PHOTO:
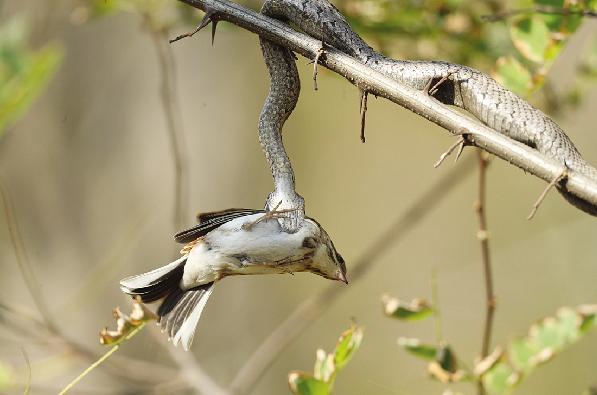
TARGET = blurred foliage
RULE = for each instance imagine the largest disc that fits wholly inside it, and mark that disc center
(417, 309)
(327, 366)
(544, 341)
(519, 48)
(500, 372)
(24, 72)
(431, 29)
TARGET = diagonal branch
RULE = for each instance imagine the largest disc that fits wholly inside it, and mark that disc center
(526, 158)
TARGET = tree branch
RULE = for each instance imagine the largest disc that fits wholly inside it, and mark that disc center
(362, 76)
(483, 236)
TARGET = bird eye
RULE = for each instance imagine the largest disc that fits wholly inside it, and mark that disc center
(341, 262)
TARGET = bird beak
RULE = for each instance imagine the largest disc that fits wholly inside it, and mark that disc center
(342, 277)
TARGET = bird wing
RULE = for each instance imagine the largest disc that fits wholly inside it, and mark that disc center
(210, 221)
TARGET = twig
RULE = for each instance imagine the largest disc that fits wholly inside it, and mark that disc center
(27, 389)
(175, 132)
(104, 270)
(459, 143)
(209, 17)
(483, 237)
(104, 357)
(437, 317)
(562, 177)
(22, 259)
(314, 306)
(539, 9)
(364, 95)
(129, 368)
(320, 52)
(415, 100)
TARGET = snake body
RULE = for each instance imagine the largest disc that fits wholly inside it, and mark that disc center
(462, 86)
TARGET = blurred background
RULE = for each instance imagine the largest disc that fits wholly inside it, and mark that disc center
(91, 186)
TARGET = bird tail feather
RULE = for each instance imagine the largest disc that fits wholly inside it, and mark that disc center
(180, 309)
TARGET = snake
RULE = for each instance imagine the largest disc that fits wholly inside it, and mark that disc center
(457, 85)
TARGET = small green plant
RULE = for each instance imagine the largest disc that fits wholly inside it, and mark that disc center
(327, 366)
(502, 370)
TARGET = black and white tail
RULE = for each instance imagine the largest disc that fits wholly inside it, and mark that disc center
(181, 309)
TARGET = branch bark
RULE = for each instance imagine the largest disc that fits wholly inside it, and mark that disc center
(419, 102)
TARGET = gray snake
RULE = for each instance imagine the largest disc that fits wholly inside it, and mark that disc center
(462, 86)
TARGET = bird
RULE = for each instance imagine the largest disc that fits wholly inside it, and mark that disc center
(226, 243)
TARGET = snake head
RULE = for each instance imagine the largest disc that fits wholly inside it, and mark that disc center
(288, 208)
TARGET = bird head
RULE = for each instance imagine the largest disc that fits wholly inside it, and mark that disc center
(327, 262)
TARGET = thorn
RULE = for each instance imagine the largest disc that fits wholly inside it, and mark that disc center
(214, 24)
(363, 111)
(320, 52)
(460, 143)
(562, 177)
(210, 16)
(427, 86)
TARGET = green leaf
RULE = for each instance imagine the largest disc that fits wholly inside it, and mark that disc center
(415, 310)
(324, 365)
(418, 349)
(24, 73)
(544, 341)
(327, 366)
(500, 379)
(302, 383)
(446, 359)
(531, 37)
(513, 75)
(348, 344)
(521, 354)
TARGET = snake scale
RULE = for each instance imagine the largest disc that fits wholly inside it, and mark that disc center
(462, 86)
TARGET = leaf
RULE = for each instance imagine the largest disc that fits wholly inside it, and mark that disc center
(126, 324)
(513, 75)
(531, 37)
(415, 310)
(348, 344)
(324, 365)
(544, 341)
(439, 373)
(446, 359)
(445, 367)
(418, 349)
(302, 383)
(24, 73)
(327, 366)
(501, 379)
(488, 362)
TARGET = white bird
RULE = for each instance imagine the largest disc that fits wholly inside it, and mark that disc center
(225, 243)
